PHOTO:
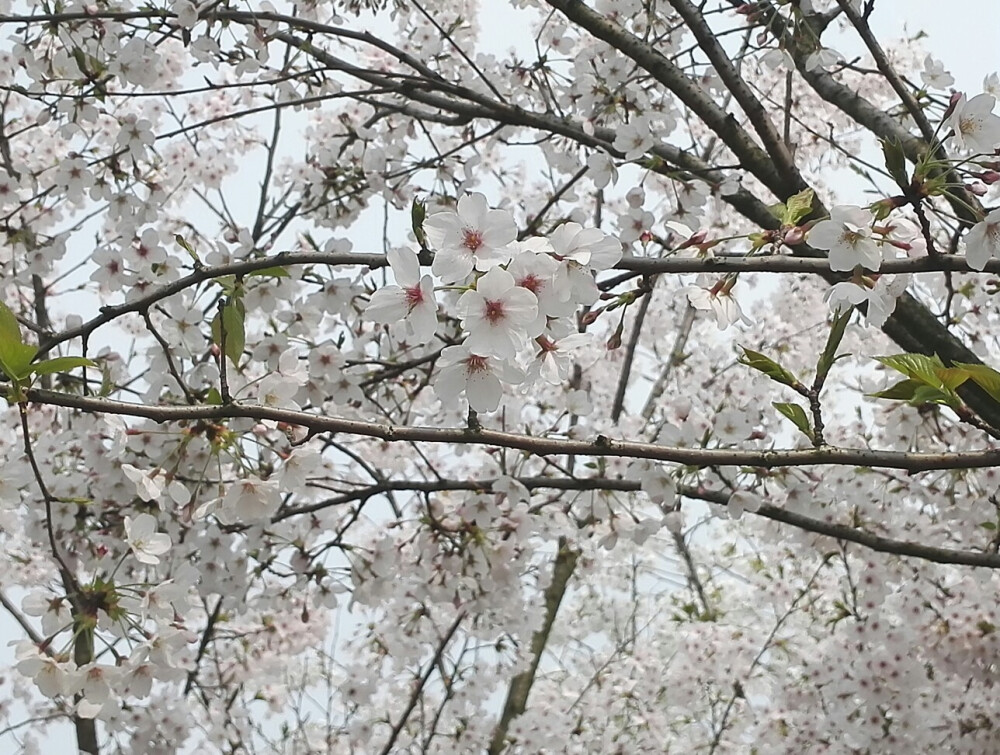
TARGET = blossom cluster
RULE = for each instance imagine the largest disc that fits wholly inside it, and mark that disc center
(517, 304)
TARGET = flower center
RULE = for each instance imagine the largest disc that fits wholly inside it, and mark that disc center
(414, 297)
(531, 282)
(494, 311)
(472, 239)
(475, 363)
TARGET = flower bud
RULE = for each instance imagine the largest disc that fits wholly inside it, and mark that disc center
(794, 236)
(952, 102)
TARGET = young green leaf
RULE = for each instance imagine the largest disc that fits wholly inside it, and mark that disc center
(798, 207)
(15, 355)
(60, 364)
(418, 212)
(230, 320)
(183, 244)
(985, 377)
(829, 355)
(901, 391)
(768, 366)
(797, 415)
(270, 272)
(916, 366)
(895, 162)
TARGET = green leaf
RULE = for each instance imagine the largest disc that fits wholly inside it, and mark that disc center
(778, 210)
(60, 364)
(270, 272)
(918, 393)
(213, 397)
(928, 394)
(895, 161)
(183, 244)
(230, 320)
(953, 377)
(10, 331)
(418, 212)
(228, 284)
(985, 377)
(15, 355)
(916, 366)
(797, 415)
(829, 355)
(768, 366)
(107, 384)
(798, 207)
(901, 391)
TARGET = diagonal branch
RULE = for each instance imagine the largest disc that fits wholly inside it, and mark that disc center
(520, 686)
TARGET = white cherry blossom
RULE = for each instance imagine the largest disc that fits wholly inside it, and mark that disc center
(146, 543)
(480, 378)
(497, 314)
(473, 237)
(975, 126)
(982, 242)
(848, 237)
(410, 300)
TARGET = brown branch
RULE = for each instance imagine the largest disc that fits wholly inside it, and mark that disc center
(719, 497)
(724, 125)
(421, 683)
(520, 686)
(777, 149)
(601, 445)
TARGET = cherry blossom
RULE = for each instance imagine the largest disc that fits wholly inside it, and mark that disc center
(982, 242)
(934, 74)
(251, 500)
(411, 299)
(473, 237)
(478, 377)
(496, 314)
(974, 125)
(720, 300)
(469, 421)
(848, 237)
(147, 487)
(146, 543)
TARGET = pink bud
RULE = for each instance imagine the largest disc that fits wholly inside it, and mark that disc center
(794, 236)
(989, 177)
(955, 97)
(978, 188)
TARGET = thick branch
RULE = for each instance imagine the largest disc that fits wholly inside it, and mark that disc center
(600, 446)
